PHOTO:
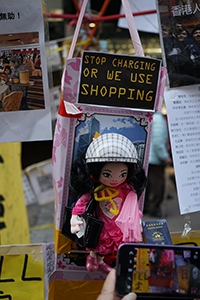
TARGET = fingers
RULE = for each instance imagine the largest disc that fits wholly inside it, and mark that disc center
(108, 290)
(130, 296)
(74, 223)
(76, 227)
(109, 284)
(79, 223)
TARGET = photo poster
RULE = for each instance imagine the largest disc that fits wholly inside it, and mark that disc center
(179, 25)
(22, 37)
(118, 80)
(183, 111)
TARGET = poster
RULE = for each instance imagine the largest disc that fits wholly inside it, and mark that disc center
(129, 126)
(25, 271)
(118, 80)
(180, 40)
(145, 22)
(14, 226)
(183, 109)
(24, 93)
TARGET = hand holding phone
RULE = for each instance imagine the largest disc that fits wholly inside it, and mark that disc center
(158, 271)
(108, 290)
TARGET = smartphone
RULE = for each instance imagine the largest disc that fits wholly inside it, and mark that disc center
(158, 271)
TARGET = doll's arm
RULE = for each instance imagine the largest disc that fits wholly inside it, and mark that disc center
(75, 224)
(79, 209)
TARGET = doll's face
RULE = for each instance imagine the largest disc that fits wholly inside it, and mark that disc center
(113, 174)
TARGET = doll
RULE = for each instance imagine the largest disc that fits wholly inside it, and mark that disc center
(111, 172)
(161, 262)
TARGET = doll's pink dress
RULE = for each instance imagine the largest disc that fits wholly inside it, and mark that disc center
(120, 212)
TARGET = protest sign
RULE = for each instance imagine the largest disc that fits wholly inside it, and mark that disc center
(21, 277)
(24, 94)
(14, 227)
(118, 80)
(25, 270)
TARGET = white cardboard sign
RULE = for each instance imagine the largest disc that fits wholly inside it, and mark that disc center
(183, 109)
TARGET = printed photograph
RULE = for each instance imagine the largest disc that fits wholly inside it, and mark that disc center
(99, 124)
(102, 124)
(21, 84)
(180, 40)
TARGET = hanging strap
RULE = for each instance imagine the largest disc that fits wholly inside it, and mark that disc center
(131, 25)
(132, 28)
(78, 26)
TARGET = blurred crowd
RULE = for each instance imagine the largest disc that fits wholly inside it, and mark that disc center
(159, 158)
(10, 67)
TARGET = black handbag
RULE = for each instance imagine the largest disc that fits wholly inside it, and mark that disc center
(93, 226)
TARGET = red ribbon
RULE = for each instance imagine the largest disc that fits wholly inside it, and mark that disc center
(62, 112)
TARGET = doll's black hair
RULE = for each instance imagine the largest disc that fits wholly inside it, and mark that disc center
(84, 176)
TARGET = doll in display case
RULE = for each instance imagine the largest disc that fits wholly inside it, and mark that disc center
(109, 171)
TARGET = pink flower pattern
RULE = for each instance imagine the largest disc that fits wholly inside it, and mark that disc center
(150, 116)
(67, 78)
(60, 182)
(58, 125)
(60, 265)
(75, 65)
(61, 138)
(71, 94)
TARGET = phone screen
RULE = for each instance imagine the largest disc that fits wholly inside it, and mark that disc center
(158, 270)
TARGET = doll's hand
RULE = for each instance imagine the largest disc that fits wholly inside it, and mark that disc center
(75, 224)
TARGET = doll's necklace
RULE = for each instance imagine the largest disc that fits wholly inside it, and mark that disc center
(111, 192)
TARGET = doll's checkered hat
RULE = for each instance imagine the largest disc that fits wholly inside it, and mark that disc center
(111, 147)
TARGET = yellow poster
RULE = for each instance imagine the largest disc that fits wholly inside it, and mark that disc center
(141, 274)
(183, 278)
(140, 281)
(14, 228)
(21, 275)
(193, 237)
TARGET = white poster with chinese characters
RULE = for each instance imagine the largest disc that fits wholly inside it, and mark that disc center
(25, 113)
(183, 110)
